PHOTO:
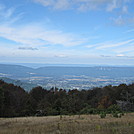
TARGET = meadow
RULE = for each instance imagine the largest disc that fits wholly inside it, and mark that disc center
(77, 124)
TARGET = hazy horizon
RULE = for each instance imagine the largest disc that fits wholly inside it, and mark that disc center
(38, 65)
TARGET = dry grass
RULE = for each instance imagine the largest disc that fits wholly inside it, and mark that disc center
(84, 124)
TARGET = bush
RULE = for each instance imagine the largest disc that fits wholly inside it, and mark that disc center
(122, 113)
(102, 115)
(113, 109)
(88, 110)
(117, 114)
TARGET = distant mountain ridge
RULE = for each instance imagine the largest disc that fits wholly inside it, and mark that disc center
(90, 71)
(49, 76)
(16, 71)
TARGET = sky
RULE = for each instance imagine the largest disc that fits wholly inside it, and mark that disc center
(97, 32)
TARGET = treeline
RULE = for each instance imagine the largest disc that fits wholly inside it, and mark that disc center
(15, 101)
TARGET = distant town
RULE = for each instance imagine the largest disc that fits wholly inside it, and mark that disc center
(76, 82)
(66, 77)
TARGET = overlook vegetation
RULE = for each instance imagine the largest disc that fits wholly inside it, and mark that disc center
(84, 124)
(16, 102)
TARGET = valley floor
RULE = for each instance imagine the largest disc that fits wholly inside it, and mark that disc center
(83, 124)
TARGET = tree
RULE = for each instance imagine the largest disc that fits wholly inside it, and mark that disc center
(1, 101)
(104, 102)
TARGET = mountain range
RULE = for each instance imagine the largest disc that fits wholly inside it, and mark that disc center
(54, 74)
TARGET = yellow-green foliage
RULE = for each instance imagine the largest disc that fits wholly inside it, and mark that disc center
(83, 124)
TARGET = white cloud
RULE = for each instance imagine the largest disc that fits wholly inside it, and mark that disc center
(111, 48)
(120, 55)
(112, 5)
(58, 4)
(120, 6)
(118, 21)
(45, 2)
(61, 56)
(6, 13)
(9, 12)
(28, 48)
(114, 45)
(34, 34)
(125, 9)
(64, 4)
(128, 31)
(25, 39)
(126, 49)
(108, 5)
(98, 44)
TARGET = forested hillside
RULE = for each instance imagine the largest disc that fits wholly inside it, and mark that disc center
(15, 101)
(26, 86)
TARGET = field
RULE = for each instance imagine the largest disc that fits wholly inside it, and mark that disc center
(83, 124)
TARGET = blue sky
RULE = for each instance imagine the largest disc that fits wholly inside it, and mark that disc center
(67, 31)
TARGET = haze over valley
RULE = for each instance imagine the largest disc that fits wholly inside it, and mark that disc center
(66, 77)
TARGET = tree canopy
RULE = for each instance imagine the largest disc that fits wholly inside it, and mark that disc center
(15, 101)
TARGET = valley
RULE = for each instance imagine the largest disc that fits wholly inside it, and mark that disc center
(67, 77)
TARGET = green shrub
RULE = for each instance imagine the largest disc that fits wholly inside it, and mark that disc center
(122, 113)
(102, 115)
(117, 114)
(113, 109)
(88, 110)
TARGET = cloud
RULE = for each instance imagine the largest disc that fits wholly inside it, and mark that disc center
(58, 4)
(127, 48)
(120, 55)
(119, 21)
(64, 4)
(114, 45)
(124, 56)
(113, 5)
(34, 34)
(53, 42)
(125, 9)
(27, 48)
(7, 15)
(120, 6)
(119, 48)
(108, 5)
(128, 31)
(98, 45)
(45, 2)
(61, 56)
(107, 56)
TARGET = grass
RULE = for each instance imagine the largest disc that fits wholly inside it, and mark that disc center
(83, 124)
